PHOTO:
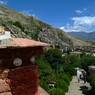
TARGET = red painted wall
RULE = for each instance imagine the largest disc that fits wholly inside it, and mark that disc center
(23, 80)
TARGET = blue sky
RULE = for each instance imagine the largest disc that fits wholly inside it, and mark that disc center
(69, 15)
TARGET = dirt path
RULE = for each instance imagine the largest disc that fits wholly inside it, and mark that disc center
(76, 88)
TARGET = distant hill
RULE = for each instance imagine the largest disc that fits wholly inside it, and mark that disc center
(83, 35)
(30, 27)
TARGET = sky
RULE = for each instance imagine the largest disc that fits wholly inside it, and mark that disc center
(69, 15)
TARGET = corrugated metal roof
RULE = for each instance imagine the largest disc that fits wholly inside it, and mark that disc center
(22, 42)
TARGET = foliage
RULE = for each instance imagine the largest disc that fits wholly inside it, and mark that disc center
(18, 24)
(92, 83)
(47, 69)
(59, 69)
(86, 61)
(70, 63)
(54, 57)
(56, 91)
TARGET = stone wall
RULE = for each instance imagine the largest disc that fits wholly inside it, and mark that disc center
(91, 70)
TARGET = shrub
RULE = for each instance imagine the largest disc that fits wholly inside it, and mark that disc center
(62, 85)
(56, 91)
(18, 24)
(87, 61)
(54, 57)
(92, 83)
(69, 69)
(65, 77)
(44, 85)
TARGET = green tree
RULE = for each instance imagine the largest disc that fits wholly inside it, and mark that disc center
(54, 57)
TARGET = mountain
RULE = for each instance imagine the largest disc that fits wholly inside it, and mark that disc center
(83, 35)
(24, 26)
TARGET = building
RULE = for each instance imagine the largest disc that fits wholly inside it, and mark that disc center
(18, 71)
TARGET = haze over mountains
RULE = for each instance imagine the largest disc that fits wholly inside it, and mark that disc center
(83, 35)
(24, 26)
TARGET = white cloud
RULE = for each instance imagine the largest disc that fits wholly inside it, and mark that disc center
(78, 11)
(62, 28)
(85, 23)
(3, 2)
(71, 28)
(81, 11)
(84, 20)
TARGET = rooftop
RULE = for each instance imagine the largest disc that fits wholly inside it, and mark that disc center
(22, 42)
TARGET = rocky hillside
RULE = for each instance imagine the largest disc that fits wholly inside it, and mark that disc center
(28, 26)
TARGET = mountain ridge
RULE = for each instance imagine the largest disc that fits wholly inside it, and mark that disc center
(84, 35)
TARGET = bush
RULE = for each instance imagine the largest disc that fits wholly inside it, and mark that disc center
(86, 61)
(92, 83)
(54, 57)
(69, 69)
(56, 91)
(65, 77)
(62, 85)
(45, 69)
(18, 24)
(44, 85)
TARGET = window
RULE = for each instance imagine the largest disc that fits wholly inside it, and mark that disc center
(17, 62)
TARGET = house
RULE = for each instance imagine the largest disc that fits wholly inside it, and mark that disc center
(18, 70)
